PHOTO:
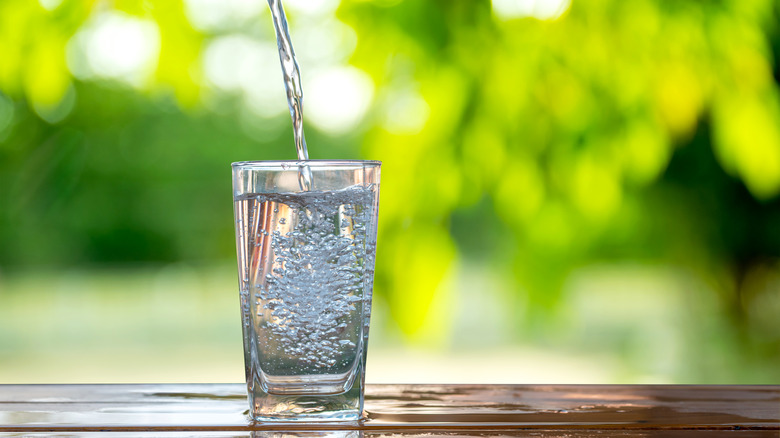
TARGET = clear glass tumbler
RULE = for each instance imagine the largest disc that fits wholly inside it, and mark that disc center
(306, 273)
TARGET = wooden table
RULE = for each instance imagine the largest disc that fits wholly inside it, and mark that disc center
(543, 411)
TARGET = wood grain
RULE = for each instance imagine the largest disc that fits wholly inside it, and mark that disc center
(401, 410)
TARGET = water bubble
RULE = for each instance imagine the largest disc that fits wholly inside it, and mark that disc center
(307, 305)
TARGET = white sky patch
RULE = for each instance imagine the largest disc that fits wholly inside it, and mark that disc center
(337, 98)
(405, 113)
(541, 9)
(211, 15)
(250, 67)
(117, 46)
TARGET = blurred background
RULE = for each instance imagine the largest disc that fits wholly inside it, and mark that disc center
(573, 191)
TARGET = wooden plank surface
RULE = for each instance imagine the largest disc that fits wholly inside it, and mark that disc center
(407, 434)
(401, 410)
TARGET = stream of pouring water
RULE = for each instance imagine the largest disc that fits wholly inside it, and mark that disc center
(292, 84)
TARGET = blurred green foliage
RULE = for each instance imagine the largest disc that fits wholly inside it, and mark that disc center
(620, 132)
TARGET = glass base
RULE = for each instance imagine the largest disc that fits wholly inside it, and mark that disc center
(321, 384)
(344, 407)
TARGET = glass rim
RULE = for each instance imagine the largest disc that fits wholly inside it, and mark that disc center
(285, 164)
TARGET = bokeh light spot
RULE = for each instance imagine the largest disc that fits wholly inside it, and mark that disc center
(57, 112)
(312, 7)
(250, 68)
(115, 45)
(405, 113)
(337, 98)
(50, 5)
(541, 9)
(595, 190)
(212, 15)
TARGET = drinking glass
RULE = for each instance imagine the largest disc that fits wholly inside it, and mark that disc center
(306, 273)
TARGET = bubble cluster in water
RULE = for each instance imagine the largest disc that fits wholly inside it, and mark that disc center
(310, 286)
